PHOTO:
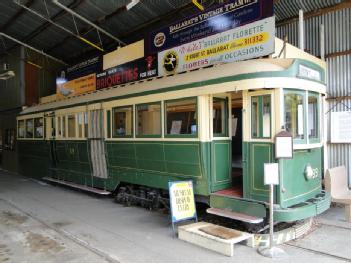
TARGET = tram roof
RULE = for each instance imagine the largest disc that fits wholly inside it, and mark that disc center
(250, 69)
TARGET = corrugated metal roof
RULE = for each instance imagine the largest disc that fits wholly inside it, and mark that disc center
(113, 17)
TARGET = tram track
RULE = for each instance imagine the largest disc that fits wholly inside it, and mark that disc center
(66, 235)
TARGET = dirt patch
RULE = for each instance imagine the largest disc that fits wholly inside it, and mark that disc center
(10, 218)
(5, 253)
(40, 243)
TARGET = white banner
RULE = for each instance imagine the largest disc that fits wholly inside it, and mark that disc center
(245, 42)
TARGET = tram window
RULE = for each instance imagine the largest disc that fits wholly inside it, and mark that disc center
(266, 116)
(38, 128)
(148, 119)
(123, 121)
(261, 116)
(21, 129)
(63, 126)
(313, 124)
(220, 116)
(29, 128)
(255, 125)
(181, 116)
(294, 114)
(80, 121)
(71, 121)
(85, 124)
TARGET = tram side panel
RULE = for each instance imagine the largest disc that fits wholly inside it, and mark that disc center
(156, 163)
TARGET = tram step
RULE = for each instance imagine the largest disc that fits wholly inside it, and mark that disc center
(216, 238)
(77, 186)
(234, 215)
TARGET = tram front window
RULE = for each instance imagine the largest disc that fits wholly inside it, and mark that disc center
(220, 113)
(21, 130)
(38, 127)
(29, 128)
(313, 116)
(294, 115)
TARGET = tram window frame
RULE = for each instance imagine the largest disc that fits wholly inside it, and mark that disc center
(315, 139)
(26, 128)
(156, 135)
(72, 128)
(19, 128)
(131, 135)
(35, 128)
(224, 116)
(180, 135)
(302, 93)
(260, 130)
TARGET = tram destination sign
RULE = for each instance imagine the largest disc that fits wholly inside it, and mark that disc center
(135, 70)
(223, 17)
(246, 42)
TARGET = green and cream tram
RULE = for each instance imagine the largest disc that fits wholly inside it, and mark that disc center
(215, 126)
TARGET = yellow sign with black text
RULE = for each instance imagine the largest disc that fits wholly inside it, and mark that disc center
(182, 200)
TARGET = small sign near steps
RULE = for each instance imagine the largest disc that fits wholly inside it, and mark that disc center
(213, 237)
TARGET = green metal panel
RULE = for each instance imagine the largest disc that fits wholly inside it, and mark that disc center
(294, 186)
(221, 165)
(238, 205)
(255, 155)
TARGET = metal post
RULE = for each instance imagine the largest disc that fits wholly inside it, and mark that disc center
(322, 43)
(271, 225)
(271, 251)
(301, 31)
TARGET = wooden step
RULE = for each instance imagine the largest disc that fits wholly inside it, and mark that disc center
(77, 186)
(234, 215)
(216, 238)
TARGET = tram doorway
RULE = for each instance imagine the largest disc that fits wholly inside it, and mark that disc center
(237, 143)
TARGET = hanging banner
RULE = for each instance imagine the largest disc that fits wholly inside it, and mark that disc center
(138, 69)
(218, 19)
(182, 200)
(75, 87)
(86, 67)
(246, 42)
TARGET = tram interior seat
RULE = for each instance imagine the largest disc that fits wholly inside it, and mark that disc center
(336, 183)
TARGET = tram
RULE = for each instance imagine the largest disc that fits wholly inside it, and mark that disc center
(215, 126)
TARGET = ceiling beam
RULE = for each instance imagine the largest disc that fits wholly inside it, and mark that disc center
(15, 16)
(46, 25)
(319, 12)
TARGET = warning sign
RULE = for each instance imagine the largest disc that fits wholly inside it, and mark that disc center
(182, 200)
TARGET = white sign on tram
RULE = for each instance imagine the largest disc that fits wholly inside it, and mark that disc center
(245, 42)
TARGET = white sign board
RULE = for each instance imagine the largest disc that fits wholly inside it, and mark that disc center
(340, 127)
(271, 173)
(284, 147)
(245, 42)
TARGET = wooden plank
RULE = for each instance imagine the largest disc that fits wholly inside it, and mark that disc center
(234, 215)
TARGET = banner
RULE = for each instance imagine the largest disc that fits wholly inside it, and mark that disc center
(86, 67)
(246, 42)
(75, 87)
(182, 200)
(218, 19)
(138, 69)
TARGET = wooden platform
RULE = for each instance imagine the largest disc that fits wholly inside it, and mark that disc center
(77, 186)
(235, 215)
(213, 237)
(233, 191)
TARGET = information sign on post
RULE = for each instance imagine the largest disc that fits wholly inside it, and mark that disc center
(271, 178)
(181, 194)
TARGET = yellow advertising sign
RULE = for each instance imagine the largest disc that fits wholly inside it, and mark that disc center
(77, 86)
(182, 200)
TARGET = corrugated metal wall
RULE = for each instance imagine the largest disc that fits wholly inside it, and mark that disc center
(337, 39)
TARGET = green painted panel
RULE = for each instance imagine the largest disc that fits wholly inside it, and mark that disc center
(122, 154)
(221, 159)
(183, 158)
(150, 156)
(294, 186)
(238, 205)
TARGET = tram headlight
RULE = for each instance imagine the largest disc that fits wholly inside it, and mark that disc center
(308, 172)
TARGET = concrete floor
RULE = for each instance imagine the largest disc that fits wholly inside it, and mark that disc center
(45, 223)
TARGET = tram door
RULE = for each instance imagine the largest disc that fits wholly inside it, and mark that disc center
(97, 144)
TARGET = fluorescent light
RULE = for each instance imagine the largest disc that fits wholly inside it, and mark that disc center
(132, 4)
(6, 74)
